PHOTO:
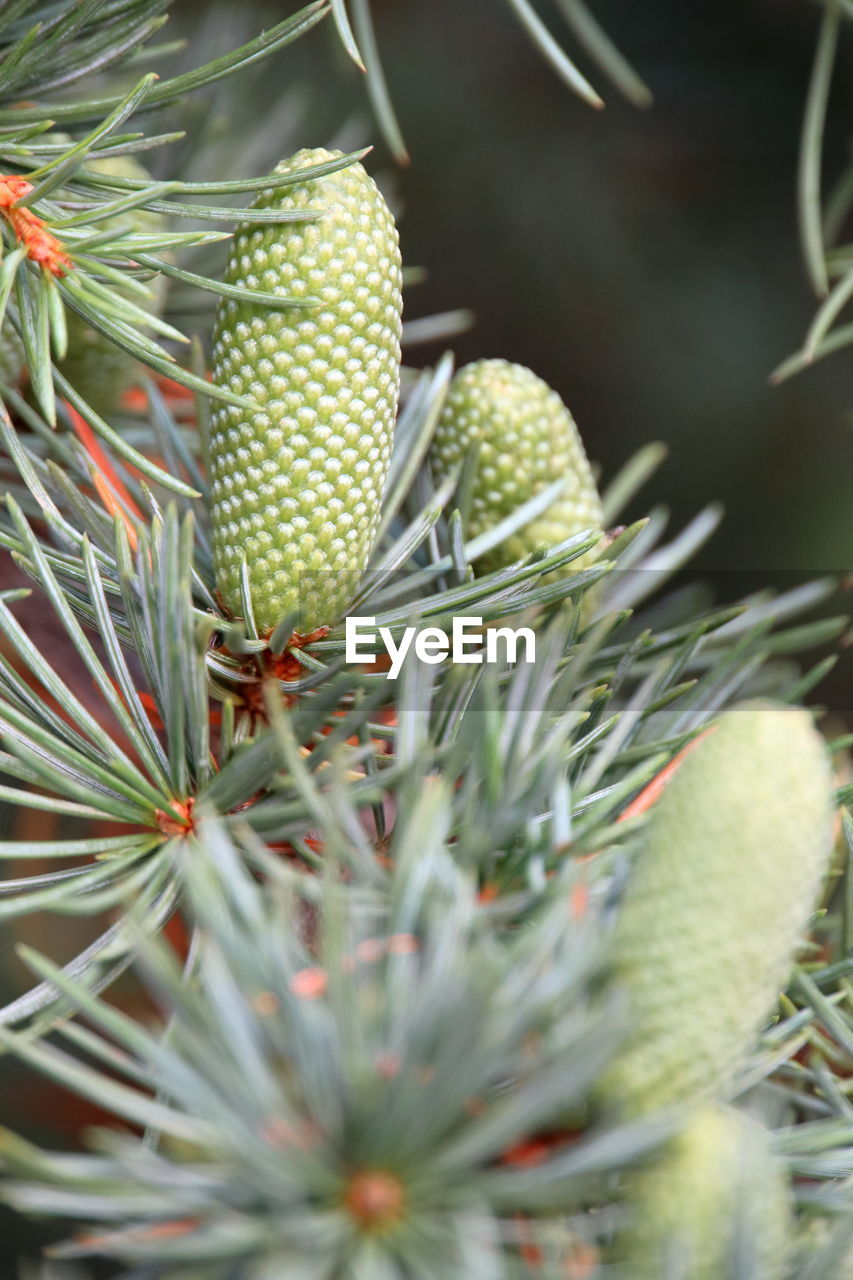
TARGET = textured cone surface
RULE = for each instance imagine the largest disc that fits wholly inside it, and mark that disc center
(716, 1188)
(99, 370)
(527, 439)
(734, 855)
(296, 486)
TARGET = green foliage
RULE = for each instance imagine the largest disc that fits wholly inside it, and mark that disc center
(342, 1107)
(359, 39)
(99, 370)
(379, 1036)
(83, 199)
(11, 357)
(822, 217)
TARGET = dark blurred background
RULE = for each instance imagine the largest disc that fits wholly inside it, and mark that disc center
(645, 263)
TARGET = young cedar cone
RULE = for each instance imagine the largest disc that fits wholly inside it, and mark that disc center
(12, 358)
(817, 1234)
(732, 863)
(296, 485)
(96, 368)
(527, 439)
(716, 1185)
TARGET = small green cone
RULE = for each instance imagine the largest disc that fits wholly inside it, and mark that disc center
(96, 368)
(297, 485)
(829, 1238)
(12, 359)
(528, 439)
(714, 1206)
(733, 859)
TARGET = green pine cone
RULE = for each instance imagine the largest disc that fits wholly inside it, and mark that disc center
(99, 370)
(527, 440)
(716, 1181)
(297, 485)
(12, 358)
(735, 852)
(818, 1234)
